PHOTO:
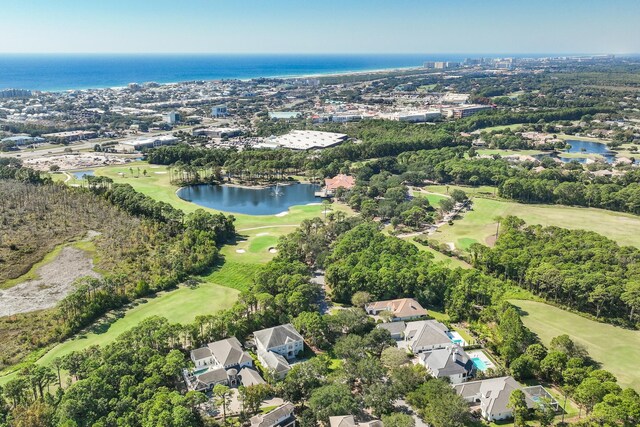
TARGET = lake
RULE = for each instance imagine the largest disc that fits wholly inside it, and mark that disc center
(81, 174)
(250, 201)
(582, 147)
(589, 147)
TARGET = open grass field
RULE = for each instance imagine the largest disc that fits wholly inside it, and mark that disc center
(492, 151)
(615, 348)
(479, 225)
(178, 306)
(513, 127)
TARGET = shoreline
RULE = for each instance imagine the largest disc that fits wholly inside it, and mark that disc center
(245, 79)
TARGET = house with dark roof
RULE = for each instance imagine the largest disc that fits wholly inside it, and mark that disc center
(396, 329)
(282, 416)
(426, 335)
(400, 309)
(225, 354)
(451, 362)
(492, 396)
(283, 340)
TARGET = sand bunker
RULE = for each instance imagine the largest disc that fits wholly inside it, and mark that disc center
(273, 250)
(240, 251)
(161, 172)
(262, 234)
(282, 213)
(55, 282)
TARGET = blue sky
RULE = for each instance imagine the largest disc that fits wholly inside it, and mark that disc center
(321, 26)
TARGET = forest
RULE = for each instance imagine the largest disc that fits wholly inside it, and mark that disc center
(581, 270)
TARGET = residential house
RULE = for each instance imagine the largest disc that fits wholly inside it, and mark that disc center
(349, 421)
(400, 309)
(225, 354)
(274, 362)
(282, 416)
(283, 340)
(451, 362)
(426, 335)
(492, 396)
(249, 377)
(396, 329)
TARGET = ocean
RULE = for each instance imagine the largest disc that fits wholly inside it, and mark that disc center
(48, 72)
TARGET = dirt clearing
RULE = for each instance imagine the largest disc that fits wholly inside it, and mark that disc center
(54, 283)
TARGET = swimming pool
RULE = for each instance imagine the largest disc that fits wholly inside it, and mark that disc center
(479, 363)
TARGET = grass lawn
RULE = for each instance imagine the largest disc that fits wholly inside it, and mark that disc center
(492, 151)
(479, 225)
(178, 306)
(614, 347)
(439, 256)
(513, 127)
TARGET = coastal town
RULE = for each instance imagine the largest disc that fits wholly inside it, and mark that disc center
(216, 214)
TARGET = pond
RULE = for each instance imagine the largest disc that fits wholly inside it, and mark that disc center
(81, 174)
(250, 201)
(582, 147)
(589, 147)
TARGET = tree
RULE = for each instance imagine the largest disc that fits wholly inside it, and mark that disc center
(398, 419)
(552, 365)
(439, 405)
(304, 378)
(393, 357)
(360, 299)
(518, 403)
(545, 412)
(631, 296)
(313, 327)
(588, 393)
(379, 398)
(222, 395)
(332, 400)
(252, 396)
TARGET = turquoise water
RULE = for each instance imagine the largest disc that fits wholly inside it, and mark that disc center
(57, 72)
(479, 363)
(250, 201)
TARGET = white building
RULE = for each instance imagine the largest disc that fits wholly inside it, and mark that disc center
(171, 118)
(307, 140)
(142, 143)
(219, 111)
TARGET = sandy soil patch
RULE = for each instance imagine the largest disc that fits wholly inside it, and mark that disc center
(75, 161)
(490, 240)
(55, 282)
(282, 213)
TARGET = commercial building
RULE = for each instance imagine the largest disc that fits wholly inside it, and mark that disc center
(308, 140)
(217, 132)
(219, 111)
(70, 136)
(469, 110)
(142, 143)
(172, 118)
(23, 139)
(419, 116)
(285, 115)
